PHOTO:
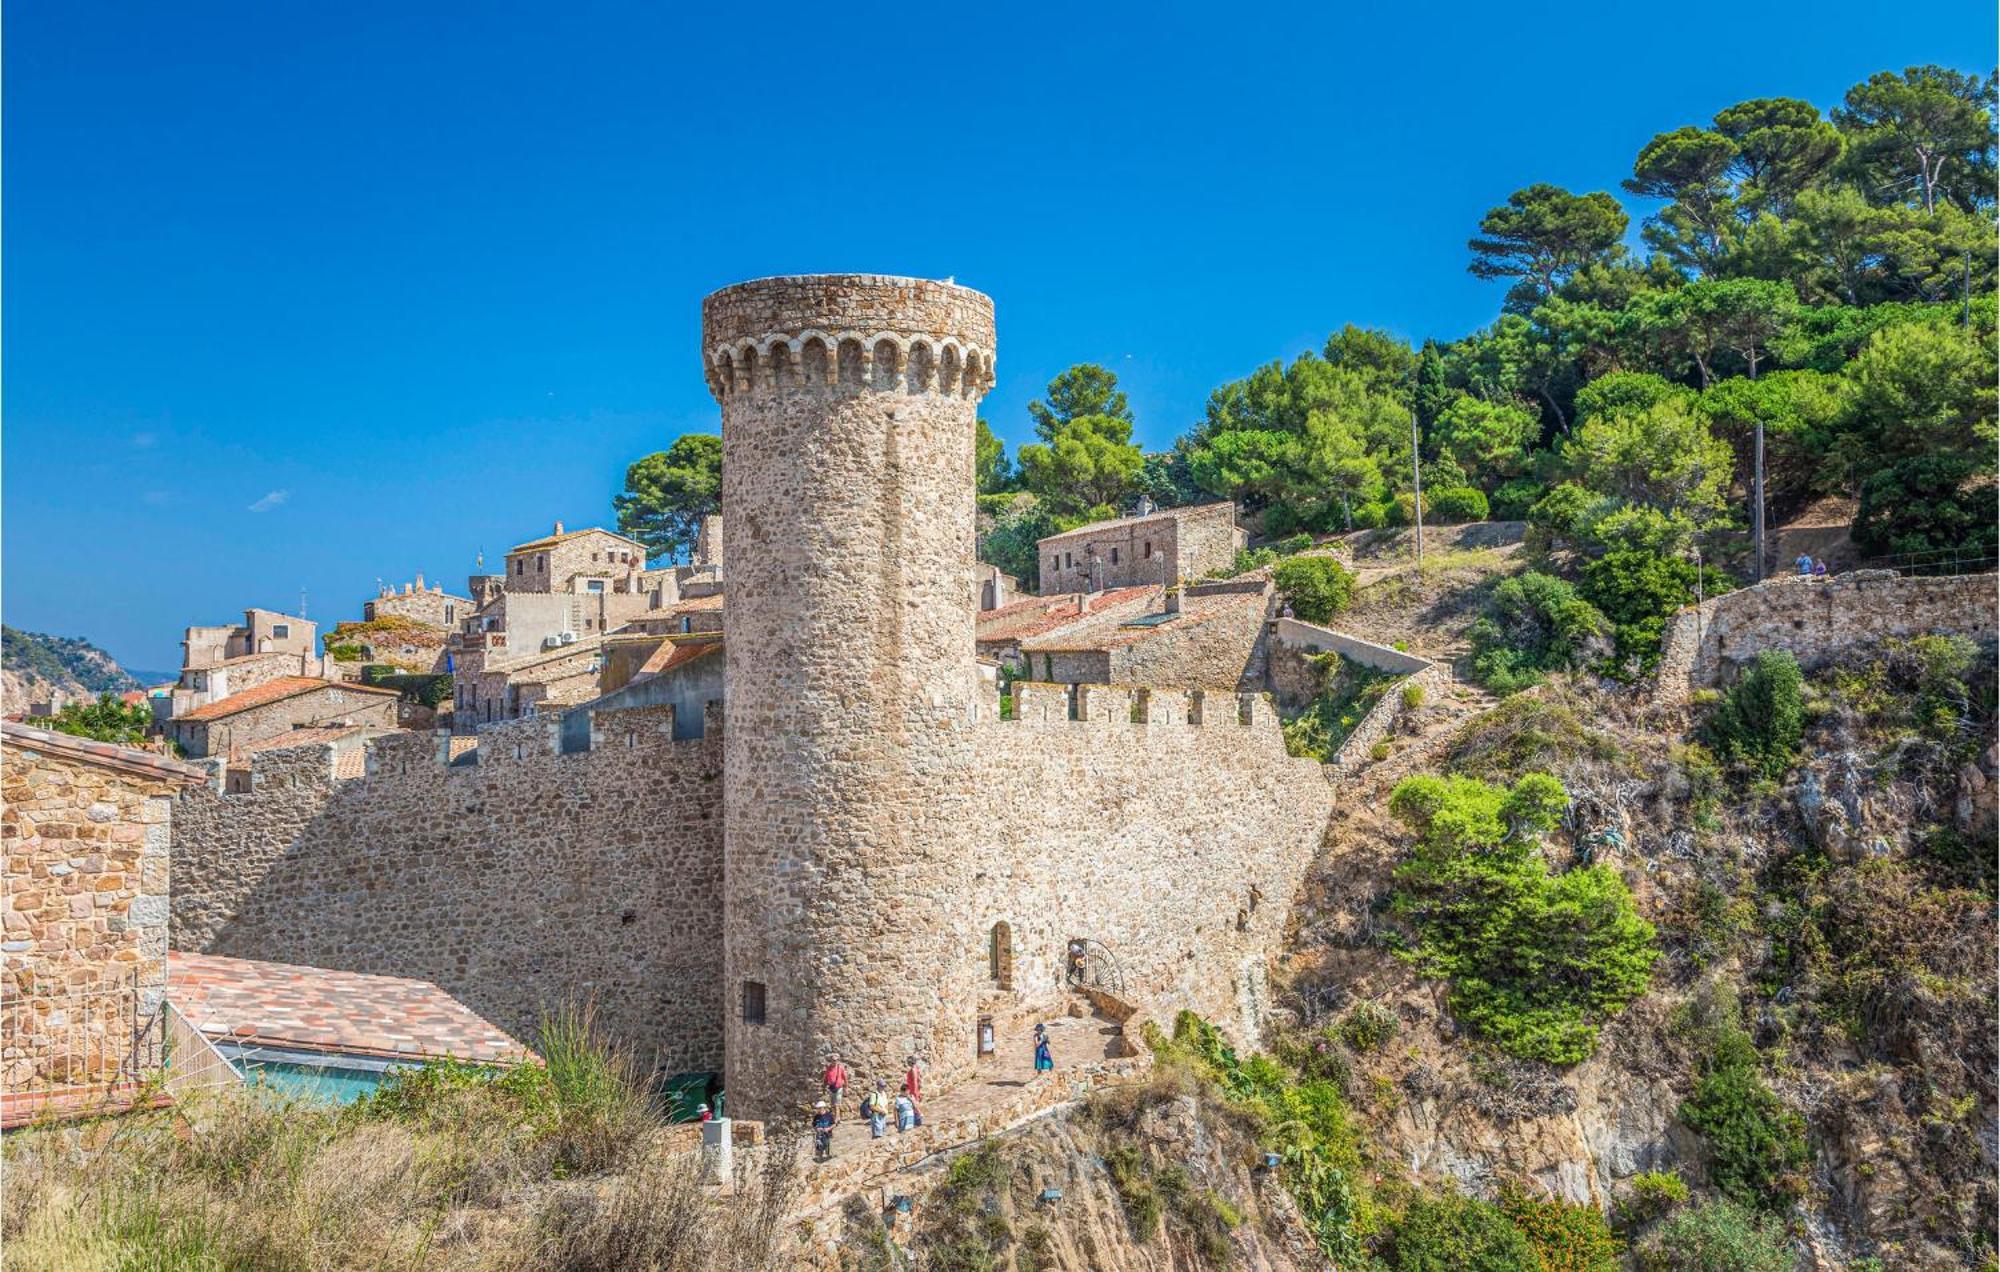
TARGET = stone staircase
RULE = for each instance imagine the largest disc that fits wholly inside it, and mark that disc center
(1452, 707)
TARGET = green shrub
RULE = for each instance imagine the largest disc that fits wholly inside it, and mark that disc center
(1348, 692)
(1402, 510)
(1413, 696)
(1318, 587)
(1294, 545)
(1536, 961)
(345, 651)
(1761, 719)
(1638, 592)
(1136, 1190)
(1558, 515)
(1248, 559)
(1512, 499)
(1718, 1236)
(1456, 504)
(1566, 1237)
(1534, 623)
(1453, 1233)
(1652, 1193)
(1756, 1146)
(1367, 1027)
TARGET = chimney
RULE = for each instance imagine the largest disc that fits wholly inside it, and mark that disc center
(420, 580)
(558, 527)
(1174, 599)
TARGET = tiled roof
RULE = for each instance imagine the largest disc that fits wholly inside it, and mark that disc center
(549, 541)
(1033, 617)
(679, 653)
(110, 755)
(297, 737)
(275, 691)
(698, 603)
(1111, 632)
(314, 1009)
(349, 763)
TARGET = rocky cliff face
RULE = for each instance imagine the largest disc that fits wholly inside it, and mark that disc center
(39, 668)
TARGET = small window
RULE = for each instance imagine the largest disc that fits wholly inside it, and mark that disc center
(687, 625)
(1149, 549)
(521, 566)
(593, 556)
(753, 1002)
(1114, 556)
(542, 564)
(450, 614)
(281, 631)
(1000, 956)
(594, 585)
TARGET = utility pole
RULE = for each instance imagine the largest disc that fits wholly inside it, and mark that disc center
(1965, 292)
(1757, 513)
(1700, 596)
(1417, 481)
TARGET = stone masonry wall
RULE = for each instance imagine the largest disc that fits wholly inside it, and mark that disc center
(335, 704)
(521, 882)
(85, 917)
(1176, 841)
(1816, 618)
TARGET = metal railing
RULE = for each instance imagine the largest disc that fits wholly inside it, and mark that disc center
(64, 1039)
(193, 1062)
(1938, 563)
(1092, 964)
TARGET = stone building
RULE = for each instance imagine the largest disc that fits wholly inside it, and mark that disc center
(590, 560)
(86, 827)
(432, 606)
(1149, 547)
(998, 633)
(276, 708)
(222, 660)
(860, 851)
(1206, 632)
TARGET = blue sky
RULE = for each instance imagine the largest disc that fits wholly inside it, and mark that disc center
(299, 296)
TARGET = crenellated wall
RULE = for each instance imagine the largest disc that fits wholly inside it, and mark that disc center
(518, 877)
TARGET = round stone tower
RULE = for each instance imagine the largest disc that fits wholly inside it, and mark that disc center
(848, 411)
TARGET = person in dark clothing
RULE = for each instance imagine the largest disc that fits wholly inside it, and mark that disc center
(822, 1132)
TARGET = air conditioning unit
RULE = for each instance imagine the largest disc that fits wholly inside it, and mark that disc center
(566, 638)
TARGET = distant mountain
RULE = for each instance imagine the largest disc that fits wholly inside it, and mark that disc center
(38, 668)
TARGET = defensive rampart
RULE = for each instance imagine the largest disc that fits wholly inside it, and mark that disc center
(1815, 619)
(516, 876)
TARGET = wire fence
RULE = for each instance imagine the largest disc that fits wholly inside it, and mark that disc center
(1938, 563)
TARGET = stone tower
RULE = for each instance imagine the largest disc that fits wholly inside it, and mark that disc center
(848, 412)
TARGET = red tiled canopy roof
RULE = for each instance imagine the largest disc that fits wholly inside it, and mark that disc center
(315, 1009)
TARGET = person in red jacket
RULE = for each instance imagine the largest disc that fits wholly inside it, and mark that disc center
(836, 1081)
(913, 1086)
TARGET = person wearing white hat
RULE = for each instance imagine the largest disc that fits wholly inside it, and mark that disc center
(822, 1131)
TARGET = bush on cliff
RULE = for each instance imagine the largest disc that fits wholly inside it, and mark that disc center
(1760, 721)
(1534, 624)
(1756, 1146)
(1536, 960)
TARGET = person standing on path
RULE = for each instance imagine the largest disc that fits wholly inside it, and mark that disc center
(1805, 564)
(836, 1081)
(1044, 1061)
(822, 1132)
(1819, 569)
(913, 1086)
(875, 1107)
(906, 1112)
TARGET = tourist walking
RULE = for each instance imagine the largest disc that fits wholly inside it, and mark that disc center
(822, 1132)
(1819, 568)
(1044, 1061)
(836, 1081)
(1805, 564)
(875, 1107)
(913, 1086)
(906, 1112)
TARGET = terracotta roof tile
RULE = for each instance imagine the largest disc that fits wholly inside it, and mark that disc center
(315, 1009)
(274, 691)
(1163, 514)
(1025, 619)
(672, 654)
(1111, 632)
(551, 540)
(88, 750)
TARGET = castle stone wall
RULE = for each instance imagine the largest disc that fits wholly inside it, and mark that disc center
(1815, 619)
(524, 881)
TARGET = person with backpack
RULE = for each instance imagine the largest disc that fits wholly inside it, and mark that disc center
(875, 1107)
(906, 1112)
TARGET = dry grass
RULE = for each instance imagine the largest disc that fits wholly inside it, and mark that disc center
(559, 1168)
